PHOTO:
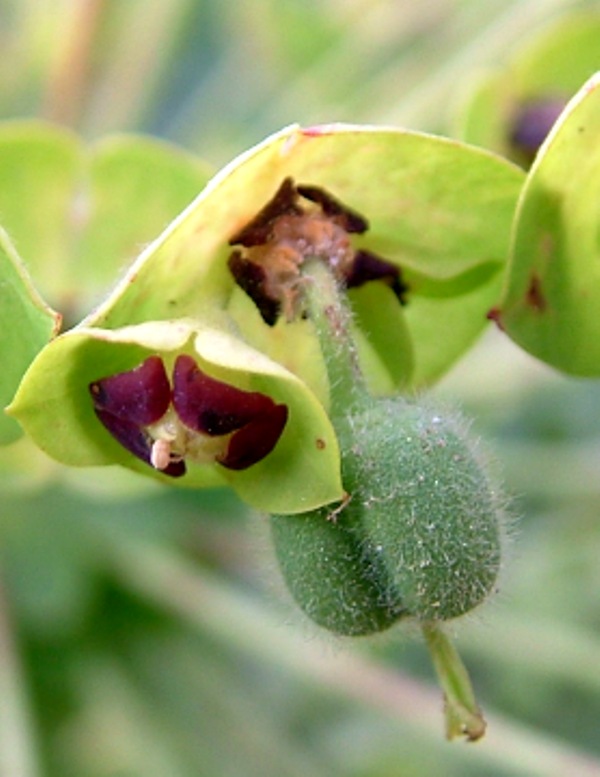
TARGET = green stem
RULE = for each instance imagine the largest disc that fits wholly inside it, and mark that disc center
(463, 716)
(332, 320)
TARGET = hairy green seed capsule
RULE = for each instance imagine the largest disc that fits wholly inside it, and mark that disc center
(421, 535)
(429, 512)
(329, 575)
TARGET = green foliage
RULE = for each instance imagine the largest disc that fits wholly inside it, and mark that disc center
(78, 214)
(19, 302)
(135, 620)
(453, 199)
(552, 65)
(550, 303)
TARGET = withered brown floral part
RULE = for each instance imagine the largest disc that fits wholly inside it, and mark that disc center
(369, 267)
(252, 278)
(299, 223)
(350, 220)
(200, 418)
(259, 230)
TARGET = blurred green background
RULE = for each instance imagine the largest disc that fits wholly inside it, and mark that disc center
(143, 631)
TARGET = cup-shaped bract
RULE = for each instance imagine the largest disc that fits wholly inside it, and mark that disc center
(126, 396)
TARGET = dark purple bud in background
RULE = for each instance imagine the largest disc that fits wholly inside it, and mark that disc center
(532, 123)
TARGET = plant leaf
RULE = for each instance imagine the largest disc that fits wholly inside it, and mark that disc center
(552, 64)
(39, 168)
(26, 325)
(79, 215)
(552, 298)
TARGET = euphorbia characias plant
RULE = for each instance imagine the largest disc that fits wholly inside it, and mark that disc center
(276, 337)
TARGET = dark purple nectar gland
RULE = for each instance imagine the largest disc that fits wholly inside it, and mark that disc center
(251, 422)
(201, 419)
(288, 231)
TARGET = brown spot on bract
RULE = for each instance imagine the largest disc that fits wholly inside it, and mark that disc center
(321, 444)
(495, 315)
(534, 297)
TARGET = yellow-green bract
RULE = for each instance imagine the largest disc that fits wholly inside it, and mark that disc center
(438, 209)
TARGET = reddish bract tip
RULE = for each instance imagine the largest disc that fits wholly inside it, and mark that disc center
(495, 315)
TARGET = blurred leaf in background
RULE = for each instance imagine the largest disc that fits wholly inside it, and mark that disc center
(512, 107)
(144, 631)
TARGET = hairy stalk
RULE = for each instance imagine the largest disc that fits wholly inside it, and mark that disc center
(402, 529)
(331, 318)
(463, 716)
